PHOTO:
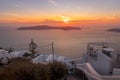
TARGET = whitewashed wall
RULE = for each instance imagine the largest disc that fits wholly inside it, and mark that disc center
(116, 72)
(103, 64)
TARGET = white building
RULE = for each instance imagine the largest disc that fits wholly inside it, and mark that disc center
(100, 62)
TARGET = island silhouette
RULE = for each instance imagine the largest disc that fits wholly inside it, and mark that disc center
(47, 27)
(114, 30)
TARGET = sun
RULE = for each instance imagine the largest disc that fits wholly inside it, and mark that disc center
(65, 19)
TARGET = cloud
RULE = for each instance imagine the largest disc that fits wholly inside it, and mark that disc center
(53, 2)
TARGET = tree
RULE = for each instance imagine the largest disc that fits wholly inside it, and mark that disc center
(32, 47)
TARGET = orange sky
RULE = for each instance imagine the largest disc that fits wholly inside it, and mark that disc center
(62, 20)
(60, 12)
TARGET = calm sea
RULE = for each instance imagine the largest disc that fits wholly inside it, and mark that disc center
(69, 43)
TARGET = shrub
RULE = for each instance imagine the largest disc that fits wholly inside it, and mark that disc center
(21, 69)
(2, 73)
(27, 71)
(40, 72)
(56, 70)
(19, 59)
(80, 74)
(5, 74)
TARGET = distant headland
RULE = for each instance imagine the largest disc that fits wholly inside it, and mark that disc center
(46, 27)
(114, 30)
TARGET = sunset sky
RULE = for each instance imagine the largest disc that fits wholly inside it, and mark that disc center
(59, 12)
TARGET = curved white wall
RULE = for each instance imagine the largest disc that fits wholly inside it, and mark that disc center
(103, 64)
